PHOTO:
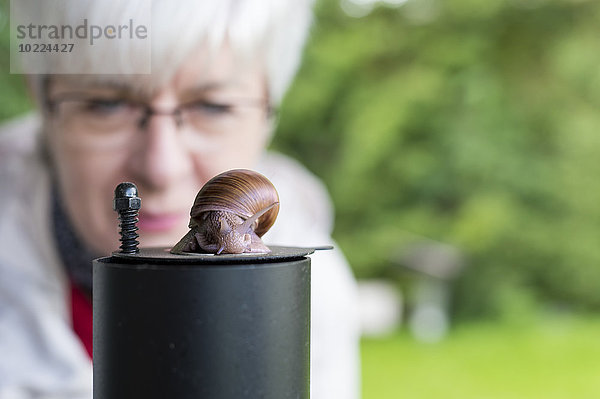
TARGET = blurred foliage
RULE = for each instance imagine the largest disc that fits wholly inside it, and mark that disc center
(471, 123)
(13, 100)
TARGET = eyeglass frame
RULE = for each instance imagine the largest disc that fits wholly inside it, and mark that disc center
(149, 111)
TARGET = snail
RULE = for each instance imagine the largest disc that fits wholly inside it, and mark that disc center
(230, 214)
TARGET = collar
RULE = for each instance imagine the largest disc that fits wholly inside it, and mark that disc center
(75, 255)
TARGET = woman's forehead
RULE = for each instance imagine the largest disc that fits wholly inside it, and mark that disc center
(199, 74)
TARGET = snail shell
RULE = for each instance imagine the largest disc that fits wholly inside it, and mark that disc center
(230, 214)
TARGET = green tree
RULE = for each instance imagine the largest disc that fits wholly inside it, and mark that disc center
(472, 123)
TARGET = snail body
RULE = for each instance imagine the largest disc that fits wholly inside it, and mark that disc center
(230, 214)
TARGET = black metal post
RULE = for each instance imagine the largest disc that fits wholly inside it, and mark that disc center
(169, 329)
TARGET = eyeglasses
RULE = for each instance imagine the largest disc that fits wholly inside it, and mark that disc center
(107, 122)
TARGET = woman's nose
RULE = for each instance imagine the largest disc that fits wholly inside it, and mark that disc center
(160, 157)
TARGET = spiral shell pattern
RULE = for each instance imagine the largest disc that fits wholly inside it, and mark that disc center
(240, 191)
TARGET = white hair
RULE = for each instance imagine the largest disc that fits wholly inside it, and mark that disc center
(274, 30)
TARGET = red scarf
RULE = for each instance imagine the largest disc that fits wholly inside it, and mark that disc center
(81, 314)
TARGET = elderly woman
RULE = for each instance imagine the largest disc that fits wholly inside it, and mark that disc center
(218, 70)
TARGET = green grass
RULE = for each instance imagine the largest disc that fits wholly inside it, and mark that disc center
(555, 359)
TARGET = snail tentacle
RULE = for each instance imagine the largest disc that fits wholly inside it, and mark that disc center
(247, 225)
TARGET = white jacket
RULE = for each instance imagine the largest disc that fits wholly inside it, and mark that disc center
(40, 355)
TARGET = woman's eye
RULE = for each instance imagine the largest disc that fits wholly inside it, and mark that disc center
(209, 107)
(106, 106)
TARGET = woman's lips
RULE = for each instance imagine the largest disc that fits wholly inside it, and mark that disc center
(160, 222)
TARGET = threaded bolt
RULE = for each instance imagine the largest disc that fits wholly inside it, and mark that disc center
(127, 204)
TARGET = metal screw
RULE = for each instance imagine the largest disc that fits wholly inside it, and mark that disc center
(127, 204)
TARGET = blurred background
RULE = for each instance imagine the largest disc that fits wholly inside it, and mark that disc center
(459, 140)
